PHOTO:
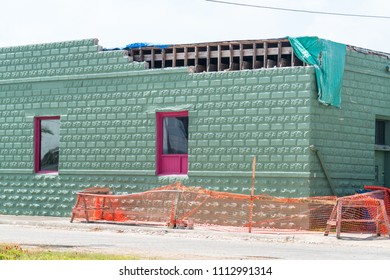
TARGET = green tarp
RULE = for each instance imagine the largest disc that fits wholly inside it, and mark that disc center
(328, 59)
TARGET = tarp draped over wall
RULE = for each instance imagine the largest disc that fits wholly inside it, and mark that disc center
(328, 59)
(139, 45)
(144, 45)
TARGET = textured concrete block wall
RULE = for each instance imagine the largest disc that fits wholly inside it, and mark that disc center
(346, 136)
(241, 114)
(108, 109)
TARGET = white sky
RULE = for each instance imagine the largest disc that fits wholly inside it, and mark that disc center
(117, 23)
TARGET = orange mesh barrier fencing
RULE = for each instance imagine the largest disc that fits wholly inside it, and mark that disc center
(178, 206)
(360, 213)
(386, 198)
(148, 207)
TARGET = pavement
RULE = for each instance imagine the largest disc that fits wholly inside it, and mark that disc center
(152, 241)
(65, 224)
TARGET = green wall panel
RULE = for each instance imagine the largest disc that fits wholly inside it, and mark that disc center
(107, 106)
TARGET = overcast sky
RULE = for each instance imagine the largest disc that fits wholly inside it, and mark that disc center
(117, 23)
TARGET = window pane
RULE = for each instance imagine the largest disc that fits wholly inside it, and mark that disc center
(175, 135)
(50, 142)
(380, 138)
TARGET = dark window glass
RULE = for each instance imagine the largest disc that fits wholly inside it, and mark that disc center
(175, 135)
(380, 138)
(49, 144)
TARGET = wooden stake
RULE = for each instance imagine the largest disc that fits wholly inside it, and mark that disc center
(175, 203)
(252, 193)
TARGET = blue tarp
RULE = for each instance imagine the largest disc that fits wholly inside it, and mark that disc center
(139, 46)
(328, 59)
(143, 45)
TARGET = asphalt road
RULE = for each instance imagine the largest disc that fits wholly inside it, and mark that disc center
(161, 243)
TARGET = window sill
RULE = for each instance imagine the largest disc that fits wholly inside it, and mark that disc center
(382, 148)
(184, 176)
(46, 173)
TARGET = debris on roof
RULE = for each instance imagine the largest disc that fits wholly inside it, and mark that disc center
(217, 56)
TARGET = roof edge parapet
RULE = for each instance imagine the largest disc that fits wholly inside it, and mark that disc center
(218, 56)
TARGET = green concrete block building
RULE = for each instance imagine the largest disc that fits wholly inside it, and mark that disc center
(74, 115)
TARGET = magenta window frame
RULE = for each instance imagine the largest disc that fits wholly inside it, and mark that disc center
(37, 144)
(182, 159)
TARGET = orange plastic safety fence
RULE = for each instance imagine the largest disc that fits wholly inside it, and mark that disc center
(361, 213)
(181, 207)
(386, 195)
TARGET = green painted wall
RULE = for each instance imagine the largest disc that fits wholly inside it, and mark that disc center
(107, 106)
(346, 136)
